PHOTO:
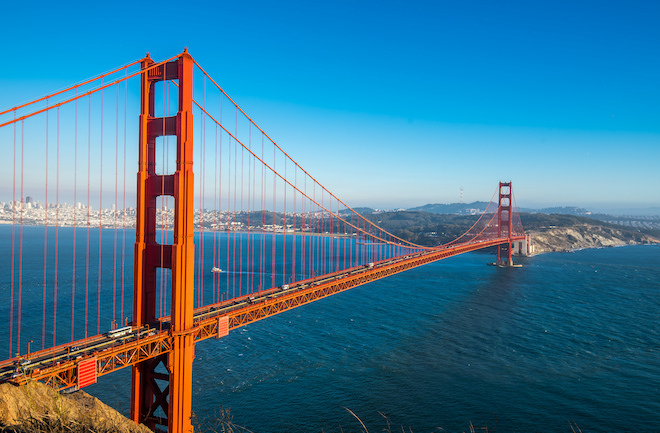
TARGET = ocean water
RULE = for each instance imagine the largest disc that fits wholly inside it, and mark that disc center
(566, 338)
(569, 338)
(86, 288)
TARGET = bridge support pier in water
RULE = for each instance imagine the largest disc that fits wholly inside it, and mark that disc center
(168, 403)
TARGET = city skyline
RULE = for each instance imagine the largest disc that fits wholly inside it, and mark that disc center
(395, 106)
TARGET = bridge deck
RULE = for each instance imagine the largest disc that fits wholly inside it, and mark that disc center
(57, 366)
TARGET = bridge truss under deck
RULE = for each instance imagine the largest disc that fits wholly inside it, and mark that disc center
(216, 320)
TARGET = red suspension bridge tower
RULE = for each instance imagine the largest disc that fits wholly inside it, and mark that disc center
(175, 399)
(505, 225)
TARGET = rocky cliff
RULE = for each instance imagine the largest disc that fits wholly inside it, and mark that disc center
(581, 236)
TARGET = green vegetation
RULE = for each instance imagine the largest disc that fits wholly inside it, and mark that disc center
(452, 208)
(541, 221)
(429, 229)
(424, 228)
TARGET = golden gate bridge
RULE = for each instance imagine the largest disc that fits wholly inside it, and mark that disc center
(222, 228)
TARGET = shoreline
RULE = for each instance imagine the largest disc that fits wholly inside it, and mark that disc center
(555, 239)
(575, 238)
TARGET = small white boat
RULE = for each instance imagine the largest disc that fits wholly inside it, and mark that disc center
(216, 270)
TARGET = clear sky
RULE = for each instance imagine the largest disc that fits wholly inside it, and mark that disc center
(397, 104)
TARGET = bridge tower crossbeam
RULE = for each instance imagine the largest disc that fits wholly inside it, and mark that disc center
(149, 392)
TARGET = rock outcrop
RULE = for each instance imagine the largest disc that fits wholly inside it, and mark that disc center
(582, 236)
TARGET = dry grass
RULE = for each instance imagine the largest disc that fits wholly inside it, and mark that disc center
(54, 425)
(402, 429)
(221, 422)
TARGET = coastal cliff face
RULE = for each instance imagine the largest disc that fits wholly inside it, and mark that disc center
(558, 239)
(35, 405)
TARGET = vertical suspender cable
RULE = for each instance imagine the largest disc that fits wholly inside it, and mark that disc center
(316, 247)
(351, 244)
(305, 268)
(272, 259)
(233, 283)
(262, 243)
(98, 293)
(312, 239)
(240, 254)
(89, 171)
(220, 201)
(311, 243)
(248, 289)
(114, 267)
(20, 249)
(284, 238)
(200, 246)
(43, 324)
(202, 189)
(203, 206)
(345, 238)
(227, 219)
(230, 218)
(57, 223)
(123, 225)
(321, 238)
(13, 249)
(237, 246)
(330, 228)
(329, 238)
(254, 208)
(75, 214)
(295, 216)
(249, 244)
(215, 212)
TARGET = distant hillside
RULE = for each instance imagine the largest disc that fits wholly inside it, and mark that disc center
(476, 207)
(565, 210)
(555, 232)
(636, 222)
(359, 210)
(540, 221)
(423, 228)
(639, 211)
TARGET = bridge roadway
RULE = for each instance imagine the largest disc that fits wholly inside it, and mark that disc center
(57, 366)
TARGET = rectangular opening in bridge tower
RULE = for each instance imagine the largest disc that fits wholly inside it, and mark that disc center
(165, 152)
(164, 396)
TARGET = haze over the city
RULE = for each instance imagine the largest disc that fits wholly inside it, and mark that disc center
(398, 104)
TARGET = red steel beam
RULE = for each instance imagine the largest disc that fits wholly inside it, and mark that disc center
(147, 395)
(63, 374)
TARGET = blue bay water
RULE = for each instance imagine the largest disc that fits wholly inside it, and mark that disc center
(86, 288)
(569, 337)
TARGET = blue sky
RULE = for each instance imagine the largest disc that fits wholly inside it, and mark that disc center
(398, 104)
